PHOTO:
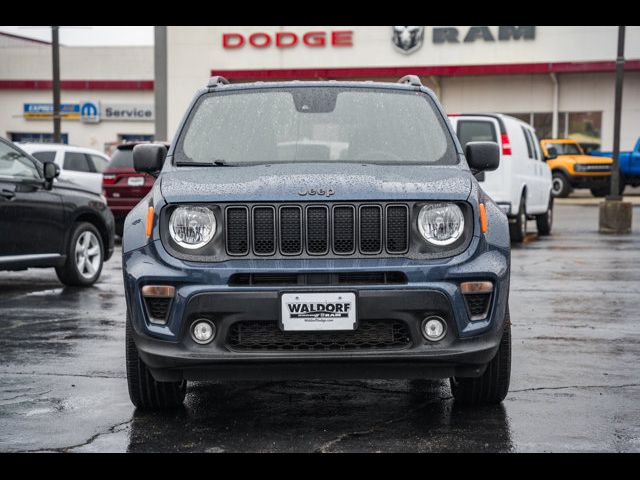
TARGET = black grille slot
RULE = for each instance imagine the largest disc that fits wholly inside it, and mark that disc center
(264, 231)
(344, 231)
(291, 230)
(267, 336)
(157, 308)
(397, 229)
(478, 304)
(371, 229)
(372, 278)
(317, 230)
(323, 279)
(237, 228)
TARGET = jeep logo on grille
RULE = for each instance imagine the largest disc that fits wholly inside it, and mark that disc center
(319, 192)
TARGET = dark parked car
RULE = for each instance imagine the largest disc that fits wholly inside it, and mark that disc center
(122, 186)
(367, 250)
(46, 224)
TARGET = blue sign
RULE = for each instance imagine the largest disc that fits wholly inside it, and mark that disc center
(45, 111)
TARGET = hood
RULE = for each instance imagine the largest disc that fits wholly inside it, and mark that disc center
(61, 185)
(334, 182)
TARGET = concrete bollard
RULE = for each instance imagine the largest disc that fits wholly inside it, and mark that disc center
(616, 217)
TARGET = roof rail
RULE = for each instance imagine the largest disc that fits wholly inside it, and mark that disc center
(217, 81)
(412, 80)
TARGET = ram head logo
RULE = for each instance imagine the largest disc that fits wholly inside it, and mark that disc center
(408, 39)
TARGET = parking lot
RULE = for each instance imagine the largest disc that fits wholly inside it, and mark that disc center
(575, 382)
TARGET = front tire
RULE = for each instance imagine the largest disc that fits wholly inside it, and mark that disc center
(145, 392)
(545, 221)
(85, 256)
(560, 186)
(518, 229)
(492, 387)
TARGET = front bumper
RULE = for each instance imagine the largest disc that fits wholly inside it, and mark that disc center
(203, 290)
(590, 181)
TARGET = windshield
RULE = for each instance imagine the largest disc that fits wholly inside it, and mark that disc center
(564, 148)
(122, 159)
(329, 124)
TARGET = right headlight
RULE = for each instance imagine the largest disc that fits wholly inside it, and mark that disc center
(441, 224)
(192, 227)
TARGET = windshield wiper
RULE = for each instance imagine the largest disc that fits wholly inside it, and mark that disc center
(214, 163)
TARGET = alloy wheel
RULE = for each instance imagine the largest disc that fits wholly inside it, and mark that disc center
(88, 254)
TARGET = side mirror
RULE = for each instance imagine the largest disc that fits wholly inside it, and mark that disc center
(552, 154)
(51, 172)
(483, 156)
(149, 158)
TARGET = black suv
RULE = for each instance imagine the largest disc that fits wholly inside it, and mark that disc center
(44, 225)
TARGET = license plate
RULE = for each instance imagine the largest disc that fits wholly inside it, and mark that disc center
(318, 311)
(135, 181)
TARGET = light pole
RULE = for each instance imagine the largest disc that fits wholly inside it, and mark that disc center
(160, 83)
(55, 57)
(615, 173)
(616, 215)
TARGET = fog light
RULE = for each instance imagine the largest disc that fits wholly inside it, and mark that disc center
(203, 331)
(434, 328)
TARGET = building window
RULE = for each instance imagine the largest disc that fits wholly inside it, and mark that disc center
(543, 124)
(584, 127)
(126, 138)
(37, 138)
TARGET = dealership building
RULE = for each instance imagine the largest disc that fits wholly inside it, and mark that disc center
(107, 93)
(558, 78)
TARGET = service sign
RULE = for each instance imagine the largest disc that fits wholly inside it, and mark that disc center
(92, 112)
(129, 112)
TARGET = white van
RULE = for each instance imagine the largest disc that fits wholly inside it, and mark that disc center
(82, 166)
(522, 184)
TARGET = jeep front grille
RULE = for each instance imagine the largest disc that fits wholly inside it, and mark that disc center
(317, 230)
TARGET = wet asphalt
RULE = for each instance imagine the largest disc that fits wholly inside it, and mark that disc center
(575, 308)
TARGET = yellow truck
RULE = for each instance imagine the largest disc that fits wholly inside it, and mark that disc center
(572, 168)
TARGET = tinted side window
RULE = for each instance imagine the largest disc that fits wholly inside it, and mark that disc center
(476, 131)
(99, 163)
(45, 156)
(76, 162)
(15, 164)
(537, 152)
(122, 159)
(527, 139)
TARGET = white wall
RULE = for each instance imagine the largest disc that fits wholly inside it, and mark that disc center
(24, 60)
(80, 134)
(28, 61)
(193, 52)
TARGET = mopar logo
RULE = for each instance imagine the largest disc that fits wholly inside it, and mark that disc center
(90, 113)
(320, 192)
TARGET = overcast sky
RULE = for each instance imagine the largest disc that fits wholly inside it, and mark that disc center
(89, 36)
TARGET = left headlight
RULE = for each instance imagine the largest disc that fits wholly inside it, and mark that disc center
(441, 224)
(192, 227)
